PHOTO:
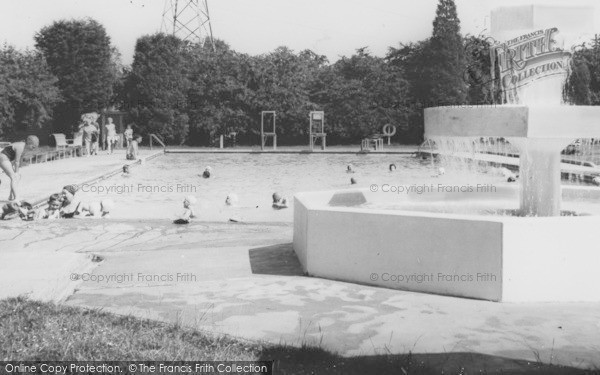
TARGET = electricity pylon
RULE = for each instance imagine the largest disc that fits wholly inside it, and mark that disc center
(188, 20)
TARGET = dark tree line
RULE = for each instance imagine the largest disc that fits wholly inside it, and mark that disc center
(190, 94)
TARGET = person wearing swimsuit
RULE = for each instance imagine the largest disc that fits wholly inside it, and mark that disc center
(71, 205)
(111, 135)
(10, 161)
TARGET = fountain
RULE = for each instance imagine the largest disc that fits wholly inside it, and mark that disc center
(533, 64)
(537, 255)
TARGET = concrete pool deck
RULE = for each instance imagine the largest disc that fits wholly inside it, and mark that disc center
(348, 150)
(243, 279)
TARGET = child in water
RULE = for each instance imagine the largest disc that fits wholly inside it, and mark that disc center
(126, 171)
(279, 202)
(53, 210)
(349, 169)
(188, 211)
(13, 210)
(231, 199)
(206, 173)
(133, 149)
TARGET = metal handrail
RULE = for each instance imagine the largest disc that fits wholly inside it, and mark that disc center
(155, 137)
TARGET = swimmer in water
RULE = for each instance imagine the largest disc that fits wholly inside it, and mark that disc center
(126, 171)
(188, 211)
(349, 169)
(231, 199)
(279, 202)
(392, 167)
(352, 181)
(206, 173)
(440, 172)
(12, 210)
(53, 210)
(106, 206)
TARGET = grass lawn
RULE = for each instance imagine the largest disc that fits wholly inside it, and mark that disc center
(31, 330)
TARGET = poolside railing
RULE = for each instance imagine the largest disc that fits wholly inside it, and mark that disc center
(158, 140)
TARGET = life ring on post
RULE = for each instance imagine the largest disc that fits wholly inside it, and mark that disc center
(389, 131)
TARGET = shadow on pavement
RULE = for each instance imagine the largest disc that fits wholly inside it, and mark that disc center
(289, 360)
(275, 260)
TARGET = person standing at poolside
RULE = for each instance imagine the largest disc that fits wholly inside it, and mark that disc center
(89, 133)
(111, 135)
(128, 135)
(10, 161)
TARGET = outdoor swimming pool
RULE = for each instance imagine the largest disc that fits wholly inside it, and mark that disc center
(155, 190)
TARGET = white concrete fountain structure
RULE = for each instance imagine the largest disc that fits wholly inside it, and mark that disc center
(539, 132)
(537, 256)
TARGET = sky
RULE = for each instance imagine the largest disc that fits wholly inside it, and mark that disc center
(333, 28)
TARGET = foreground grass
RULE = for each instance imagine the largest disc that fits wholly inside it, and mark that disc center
(31, 330)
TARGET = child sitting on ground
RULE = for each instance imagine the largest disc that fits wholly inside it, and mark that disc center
(279, 202)
(188, 211)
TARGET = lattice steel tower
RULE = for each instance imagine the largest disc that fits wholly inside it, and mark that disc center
(189, 20)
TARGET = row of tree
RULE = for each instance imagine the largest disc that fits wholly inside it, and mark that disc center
(191, 94)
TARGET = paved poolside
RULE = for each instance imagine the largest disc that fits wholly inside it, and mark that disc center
(244, 280)
(391, 149)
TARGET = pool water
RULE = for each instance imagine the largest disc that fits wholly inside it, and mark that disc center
(156, 189)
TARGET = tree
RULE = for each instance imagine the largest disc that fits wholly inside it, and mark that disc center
(220, 97)
(360, 95)
(79, 53)
(577, 88)
(157, 87)
(28, 91)
(283, 84)
(446, 58)
(412, 60)
(482, 88)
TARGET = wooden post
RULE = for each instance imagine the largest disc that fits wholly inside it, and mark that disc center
(221, 141)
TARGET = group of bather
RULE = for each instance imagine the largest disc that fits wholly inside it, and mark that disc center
(65, 205)
(279, 202)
